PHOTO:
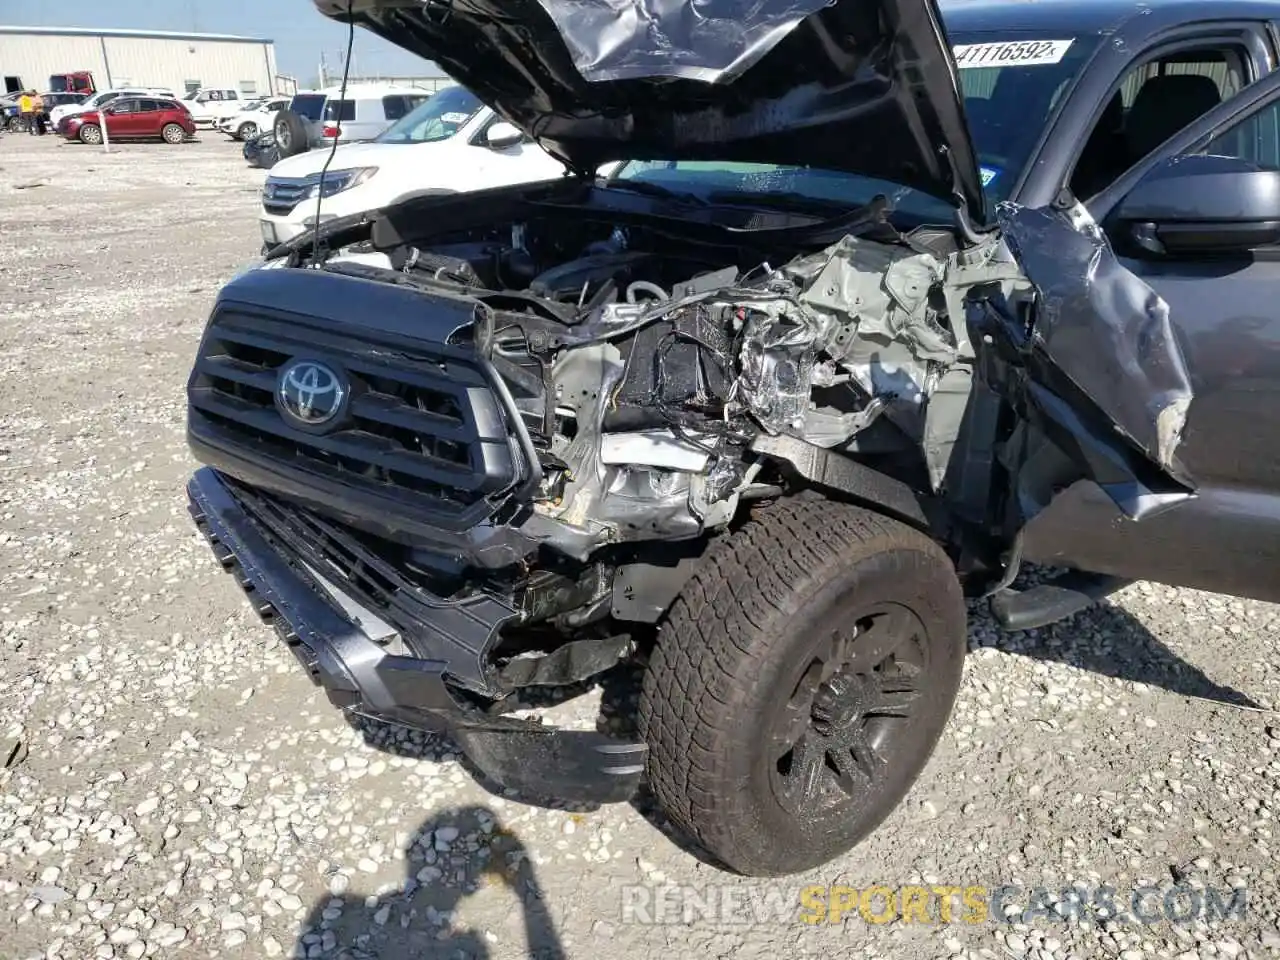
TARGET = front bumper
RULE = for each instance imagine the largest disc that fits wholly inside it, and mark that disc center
(276, 229)
(333, 637)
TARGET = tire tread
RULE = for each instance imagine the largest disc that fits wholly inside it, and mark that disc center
(719, 634)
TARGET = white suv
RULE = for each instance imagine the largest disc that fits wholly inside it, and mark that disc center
(208, 105)
(450, 143)
(248, 123)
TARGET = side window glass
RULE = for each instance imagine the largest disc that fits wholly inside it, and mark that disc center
(1255, 139)
(1154, 101)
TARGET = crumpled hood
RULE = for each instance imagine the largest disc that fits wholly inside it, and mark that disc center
(865, 86)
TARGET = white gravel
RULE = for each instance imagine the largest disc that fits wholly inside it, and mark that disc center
(172, 786)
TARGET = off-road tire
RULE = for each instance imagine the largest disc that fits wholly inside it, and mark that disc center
(733, 638)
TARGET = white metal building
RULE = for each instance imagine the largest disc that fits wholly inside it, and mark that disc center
(181, 61)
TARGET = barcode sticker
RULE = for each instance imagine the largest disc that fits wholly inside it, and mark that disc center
(1011, 53)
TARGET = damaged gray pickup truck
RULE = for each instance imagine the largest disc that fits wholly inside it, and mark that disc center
(871, 315)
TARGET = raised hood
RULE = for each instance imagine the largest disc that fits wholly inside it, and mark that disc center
(865, 86)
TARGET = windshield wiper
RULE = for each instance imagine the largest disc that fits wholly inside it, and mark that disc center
(655, 190)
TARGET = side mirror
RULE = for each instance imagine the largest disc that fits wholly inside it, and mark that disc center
(503, 134)
(1202, 205)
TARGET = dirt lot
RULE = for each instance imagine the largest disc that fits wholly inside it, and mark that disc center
(171, 784)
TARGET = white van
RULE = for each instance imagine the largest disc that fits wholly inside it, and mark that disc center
(451, 142)
(363, 112)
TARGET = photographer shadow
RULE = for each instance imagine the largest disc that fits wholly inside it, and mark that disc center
(456, 855)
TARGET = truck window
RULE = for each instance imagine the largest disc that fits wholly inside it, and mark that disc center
(1153, 101)
(1255, 139)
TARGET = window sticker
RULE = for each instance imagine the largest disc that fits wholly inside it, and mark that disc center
(989, 175)
(454, 117)
(1011, 53)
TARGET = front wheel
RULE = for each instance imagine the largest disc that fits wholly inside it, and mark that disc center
(173, 133)
(247, 131)
(800, 682)
(91, 133)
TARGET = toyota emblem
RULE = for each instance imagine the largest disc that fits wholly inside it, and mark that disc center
(310, 393)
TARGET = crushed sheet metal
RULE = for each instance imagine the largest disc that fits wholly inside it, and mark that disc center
(708, 40)
(877, 321)
(1103, 327)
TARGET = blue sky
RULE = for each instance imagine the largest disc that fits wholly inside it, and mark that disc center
(299, 31)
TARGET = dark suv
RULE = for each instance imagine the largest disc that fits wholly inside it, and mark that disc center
(874, 314)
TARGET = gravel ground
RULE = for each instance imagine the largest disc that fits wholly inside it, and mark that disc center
(172, 785)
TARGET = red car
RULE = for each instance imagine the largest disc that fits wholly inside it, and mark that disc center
(132, 118)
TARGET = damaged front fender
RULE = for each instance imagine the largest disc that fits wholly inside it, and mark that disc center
(1103, 375)
(1104, 328)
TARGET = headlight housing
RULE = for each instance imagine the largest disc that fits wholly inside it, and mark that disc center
(336, 181)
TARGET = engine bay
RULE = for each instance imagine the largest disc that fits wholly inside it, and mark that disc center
(665, 381)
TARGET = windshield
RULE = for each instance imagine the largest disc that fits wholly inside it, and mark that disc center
(1011, 84)
(437, 118)
(308, 105)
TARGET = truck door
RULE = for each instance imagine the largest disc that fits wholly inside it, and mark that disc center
(1198, 221)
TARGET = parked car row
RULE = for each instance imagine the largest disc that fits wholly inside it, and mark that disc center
(11, 117)
(148, 113)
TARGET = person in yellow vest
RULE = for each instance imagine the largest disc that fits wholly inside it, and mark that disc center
(36, 125)
(24, 108)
